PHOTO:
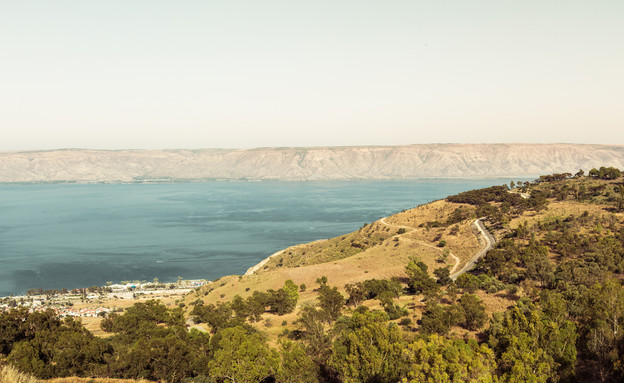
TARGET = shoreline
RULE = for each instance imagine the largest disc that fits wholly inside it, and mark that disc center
(257, 267)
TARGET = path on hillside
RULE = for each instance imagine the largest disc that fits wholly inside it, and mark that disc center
(487, 237)
(457, 261)
(489, 243)
(190, 324)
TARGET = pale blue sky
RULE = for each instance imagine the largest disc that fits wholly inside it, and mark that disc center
(236, 74)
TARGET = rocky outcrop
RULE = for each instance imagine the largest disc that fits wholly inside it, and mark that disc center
(314, 163)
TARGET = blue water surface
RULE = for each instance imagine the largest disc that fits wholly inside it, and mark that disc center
(72, 235)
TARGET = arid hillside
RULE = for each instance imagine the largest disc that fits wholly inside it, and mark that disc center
(316, 163)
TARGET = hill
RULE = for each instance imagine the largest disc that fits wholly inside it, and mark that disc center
(316, 163)
(389, 302)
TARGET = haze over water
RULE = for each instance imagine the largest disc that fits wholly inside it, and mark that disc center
(69, 235)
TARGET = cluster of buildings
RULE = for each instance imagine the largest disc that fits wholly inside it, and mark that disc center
(63, 303)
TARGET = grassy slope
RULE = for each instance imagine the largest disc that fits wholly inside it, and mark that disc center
(385, 255)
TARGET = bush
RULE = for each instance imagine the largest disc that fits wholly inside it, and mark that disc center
(468, 282)
(473, 310)
(405, 321)
(490, 194)
(443, 275)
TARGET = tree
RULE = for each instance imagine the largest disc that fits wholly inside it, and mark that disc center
(296, 366)
(532, 346)
(292, 296)
(68, 349)
(292, 290)
(468, 282)
(163, 356)
(393, 310)
(331, 303)
(311, 322)
(280, 302)
(357, 293)
(606, 315)
(437, 319)
(523, 362)
(605, 173)
(473, 311)
(321, 280)
(218, 317)
(419, 279)
(242, 356)
(443, 275)
(13, 328)
(256, 304)
(538, 265)
(438, 359)
(240, 307)
(368, 350)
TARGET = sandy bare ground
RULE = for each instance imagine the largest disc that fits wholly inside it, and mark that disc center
(383, 220)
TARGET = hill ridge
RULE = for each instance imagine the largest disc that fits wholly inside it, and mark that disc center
(305, 163)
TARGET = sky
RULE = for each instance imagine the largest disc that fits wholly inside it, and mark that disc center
(151, 74)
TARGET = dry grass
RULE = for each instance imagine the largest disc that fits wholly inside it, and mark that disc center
(383, 260)
(561, 209)
(73, 379)
(385, 257)
(498, 302)
(9, 374)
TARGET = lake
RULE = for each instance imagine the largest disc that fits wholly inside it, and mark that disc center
(72, 235)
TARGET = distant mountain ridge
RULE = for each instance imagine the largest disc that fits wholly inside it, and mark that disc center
(312, 163)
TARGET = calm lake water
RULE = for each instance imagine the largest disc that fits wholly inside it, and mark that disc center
(67, 235)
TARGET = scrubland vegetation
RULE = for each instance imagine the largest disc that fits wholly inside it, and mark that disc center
(545, 305)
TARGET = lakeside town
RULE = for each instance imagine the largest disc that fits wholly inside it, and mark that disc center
(97, 301)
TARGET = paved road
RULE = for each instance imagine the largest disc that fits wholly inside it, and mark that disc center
(489, 243)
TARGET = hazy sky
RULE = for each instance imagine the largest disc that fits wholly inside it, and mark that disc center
(236, 74)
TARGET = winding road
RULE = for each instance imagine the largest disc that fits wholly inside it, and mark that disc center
(489, 243)
(487, 237)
